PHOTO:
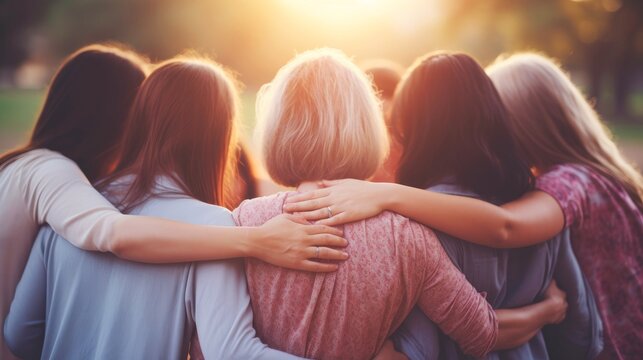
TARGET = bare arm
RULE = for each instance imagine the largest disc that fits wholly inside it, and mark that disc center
(58, 193)
(517, 326)
(281, 241)
(534, 218)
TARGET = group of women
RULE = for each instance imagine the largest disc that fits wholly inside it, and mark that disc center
(130, 170)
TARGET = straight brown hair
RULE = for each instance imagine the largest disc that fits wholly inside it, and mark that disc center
(182, 125)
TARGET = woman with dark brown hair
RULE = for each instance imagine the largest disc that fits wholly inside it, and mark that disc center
(74, 143)
(174, 161)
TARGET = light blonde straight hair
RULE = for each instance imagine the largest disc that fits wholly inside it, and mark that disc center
(320, 119)
(553, 122)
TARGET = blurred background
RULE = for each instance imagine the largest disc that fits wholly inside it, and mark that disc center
(599, 41)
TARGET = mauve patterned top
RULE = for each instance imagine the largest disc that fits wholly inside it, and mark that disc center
(606, 232)
(394, 264)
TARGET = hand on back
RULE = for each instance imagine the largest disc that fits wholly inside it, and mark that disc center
(339, 202)
(292, 242)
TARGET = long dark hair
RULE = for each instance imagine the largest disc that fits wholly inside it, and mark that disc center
(182, 125)
(451, 123)
(86, 107)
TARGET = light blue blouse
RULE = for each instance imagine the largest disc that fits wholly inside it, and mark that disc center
(74, 304)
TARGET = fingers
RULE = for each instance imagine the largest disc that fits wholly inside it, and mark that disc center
(338, 219)
(325, 253)
(314, 266)
(307, 205)
(298, 218)
(322, 229)
(327, 240)
(308, 195)
(314, 215)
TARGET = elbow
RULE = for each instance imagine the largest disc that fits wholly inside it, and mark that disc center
(503, 234)
(486, 340)
(21, 341)
(11, 338)
(118, 241)
(117, 246)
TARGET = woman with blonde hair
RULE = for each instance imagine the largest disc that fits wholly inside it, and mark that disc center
(584, 184)
(319, 118)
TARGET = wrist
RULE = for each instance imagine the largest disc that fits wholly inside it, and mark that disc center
(551, 308)
(251, 236)
(390, 197)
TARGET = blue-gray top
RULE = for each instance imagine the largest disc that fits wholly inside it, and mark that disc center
(74, 304)
(513, 278)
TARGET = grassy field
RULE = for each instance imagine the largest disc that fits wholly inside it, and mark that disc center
(18, 110)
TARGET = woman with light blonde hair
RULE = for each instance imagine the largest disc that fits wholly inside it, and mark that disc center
(584, 184)
(320, 119)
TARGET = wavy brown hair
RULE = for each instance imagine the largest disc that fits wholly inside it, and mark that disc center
(452, 124)
(182, 125)
(86, 107)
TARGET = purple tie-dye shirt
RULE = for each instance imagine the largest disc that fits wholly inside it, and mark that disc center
(607, 235)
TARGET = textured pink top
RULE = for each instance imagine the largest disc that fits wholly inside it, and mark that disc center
(607, 236)
(394, 264)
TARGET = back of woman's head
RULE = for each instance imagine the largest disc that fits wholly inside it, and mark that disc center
(182, 125)
(320, 119)
(452, 124)
(86, 107)
(554, 124)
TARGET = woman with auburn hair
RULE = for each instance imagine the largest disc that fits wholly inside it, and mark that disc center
(584, 185)
(74, 143)
(319, 118)
(70, 303)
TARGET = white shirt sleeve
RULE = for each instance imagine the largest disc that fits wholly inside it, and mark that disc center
(57, 193)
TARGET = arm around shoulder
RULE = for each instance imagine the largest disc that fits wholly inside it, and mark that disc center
(57, 193)
(531, 219)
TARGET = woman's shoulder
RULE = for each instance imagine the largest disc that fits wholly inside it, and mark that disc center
(42, 155)
(567, 174)
(575, 176)
(394, 223)
(254, 212)
(36, 158)
(39, 167)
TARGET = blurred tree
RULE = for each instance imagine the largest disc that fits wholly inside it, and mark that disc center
(601, 38)
(17, 17)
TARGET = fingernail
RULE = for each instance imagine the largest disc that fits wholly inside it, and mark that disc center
(345, 255)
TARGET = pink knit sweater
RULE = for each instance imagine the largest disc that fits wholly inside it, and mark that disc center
(394, 264)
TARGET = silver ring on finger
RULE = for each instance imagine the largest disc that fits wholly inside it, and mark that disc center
(316, 252)
(330, 212)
